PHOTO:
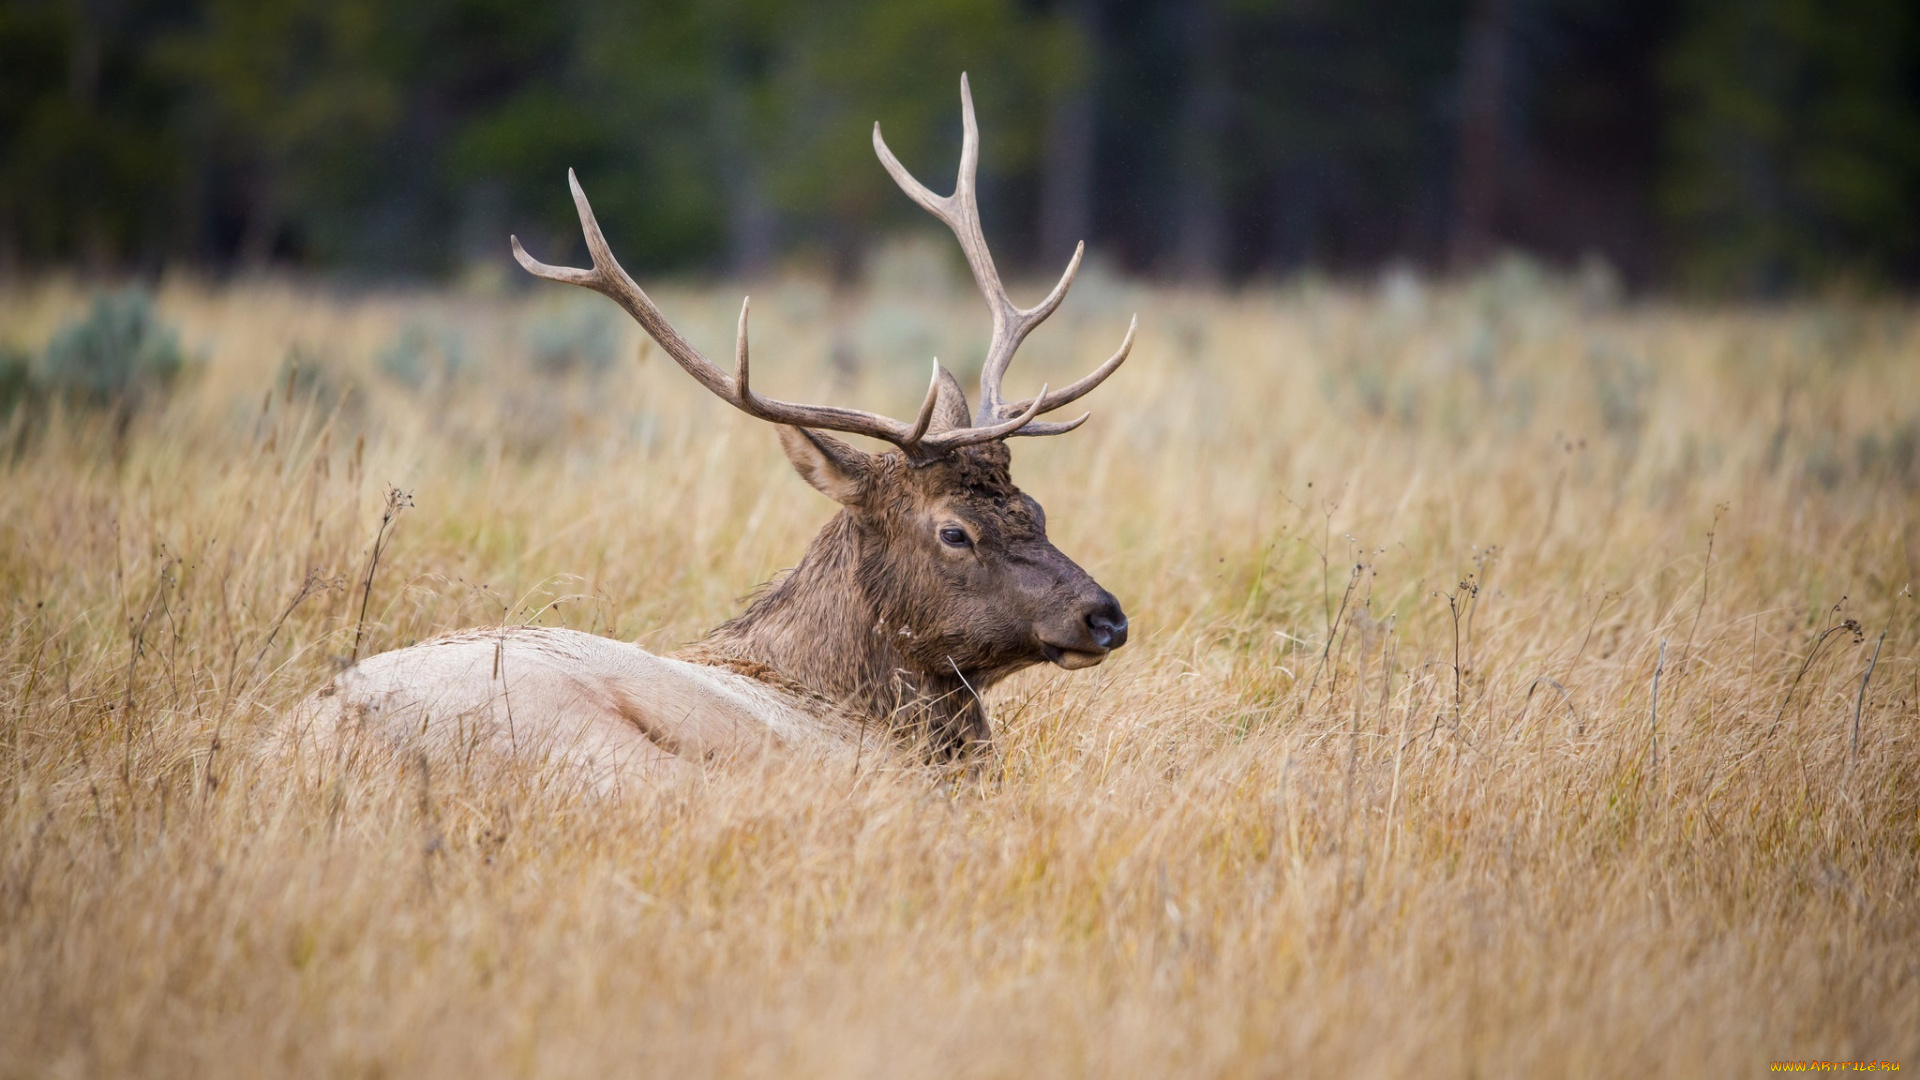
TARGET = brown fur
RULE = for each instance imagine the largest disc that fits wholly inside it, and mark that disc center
(884, 618)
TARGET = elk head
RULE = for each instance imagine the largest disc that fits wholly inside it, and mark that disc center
(952, 560)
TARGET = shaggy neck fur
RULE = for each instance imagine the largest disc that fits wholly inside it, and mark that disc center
(824, 626)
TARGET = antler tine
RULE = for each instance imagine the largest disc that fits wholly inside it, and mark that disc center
(968, 436)
(853, 421)
(963, 216)
(1068, 394)
(991, 403)
(925, 419)
(917, 191)
(961, 213)
(740, 352)
(611, 281)
(969, 143)
(1044, 427)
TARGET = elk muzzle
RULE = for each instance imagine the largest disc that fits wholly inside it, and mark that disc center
(1092, 626)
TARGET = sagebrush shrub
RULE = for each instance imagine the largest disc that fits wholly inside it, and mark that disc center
(118, 353)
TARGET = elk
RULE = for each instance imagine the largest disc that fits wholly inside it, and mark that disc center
(933, 582)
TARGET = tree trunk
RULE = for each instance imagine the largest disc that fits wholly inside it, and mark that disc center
(262, 227)
(1200, 202)
(751, 224)
(1299, 190)
(1482, 147)
(1066, 194)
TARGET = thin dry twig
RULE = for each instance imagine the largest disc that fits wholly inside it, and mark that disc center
(1333, 627)
(1862, 699)
(1653, 717)
(1851, 626)
(397, 501)
(1579, 726)
(1706, 587)
(311, 584)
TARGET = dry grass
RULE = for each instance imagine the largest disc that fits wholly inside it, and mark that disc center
(1377, 790)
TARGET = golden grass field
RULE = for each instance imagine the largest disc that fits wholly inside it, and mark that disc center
(1379, 788)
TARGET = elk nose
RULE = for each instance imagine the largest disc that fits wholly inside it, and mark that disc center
(1108, 624)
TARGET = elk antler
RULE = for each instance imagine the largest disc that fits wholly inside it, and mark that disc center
(1011, 324)
(608, 279)
(997, 419)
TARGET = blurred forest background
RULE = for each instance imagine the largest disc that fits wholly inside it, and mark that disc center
(1741, 147)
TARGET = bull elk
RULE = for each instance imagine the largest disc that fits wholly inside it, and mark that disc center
(934, 581)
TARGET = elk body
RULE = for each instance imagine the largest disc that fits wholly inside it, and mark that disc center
(934, 581)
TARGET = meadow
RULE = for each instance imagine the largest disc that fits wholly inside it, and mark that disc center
(1524, 682)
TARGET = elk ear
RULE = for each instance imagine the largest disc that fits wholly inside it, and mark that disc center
(835, 469)
(950, 409)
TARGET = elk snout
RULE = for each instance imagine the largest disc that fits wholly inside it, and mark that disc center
(1108, 624)
(1098, 626)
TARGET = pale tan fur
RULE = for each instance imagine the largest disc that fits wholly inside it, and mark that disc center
(611, 711)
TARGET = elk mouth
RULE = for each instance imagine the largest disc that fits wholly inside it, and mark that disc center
(1099, 628)
(1072, 659)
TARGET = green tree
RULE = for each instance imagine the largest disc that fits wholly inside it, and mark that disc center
(1795, 145)
(290, 95)
(769, 107)
(90, 166)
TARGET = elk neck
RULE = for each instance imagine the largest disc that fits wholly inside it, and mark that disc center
(821, 625)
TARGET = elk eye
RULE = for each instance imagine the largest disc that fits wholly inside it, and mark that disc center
(955, 536)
